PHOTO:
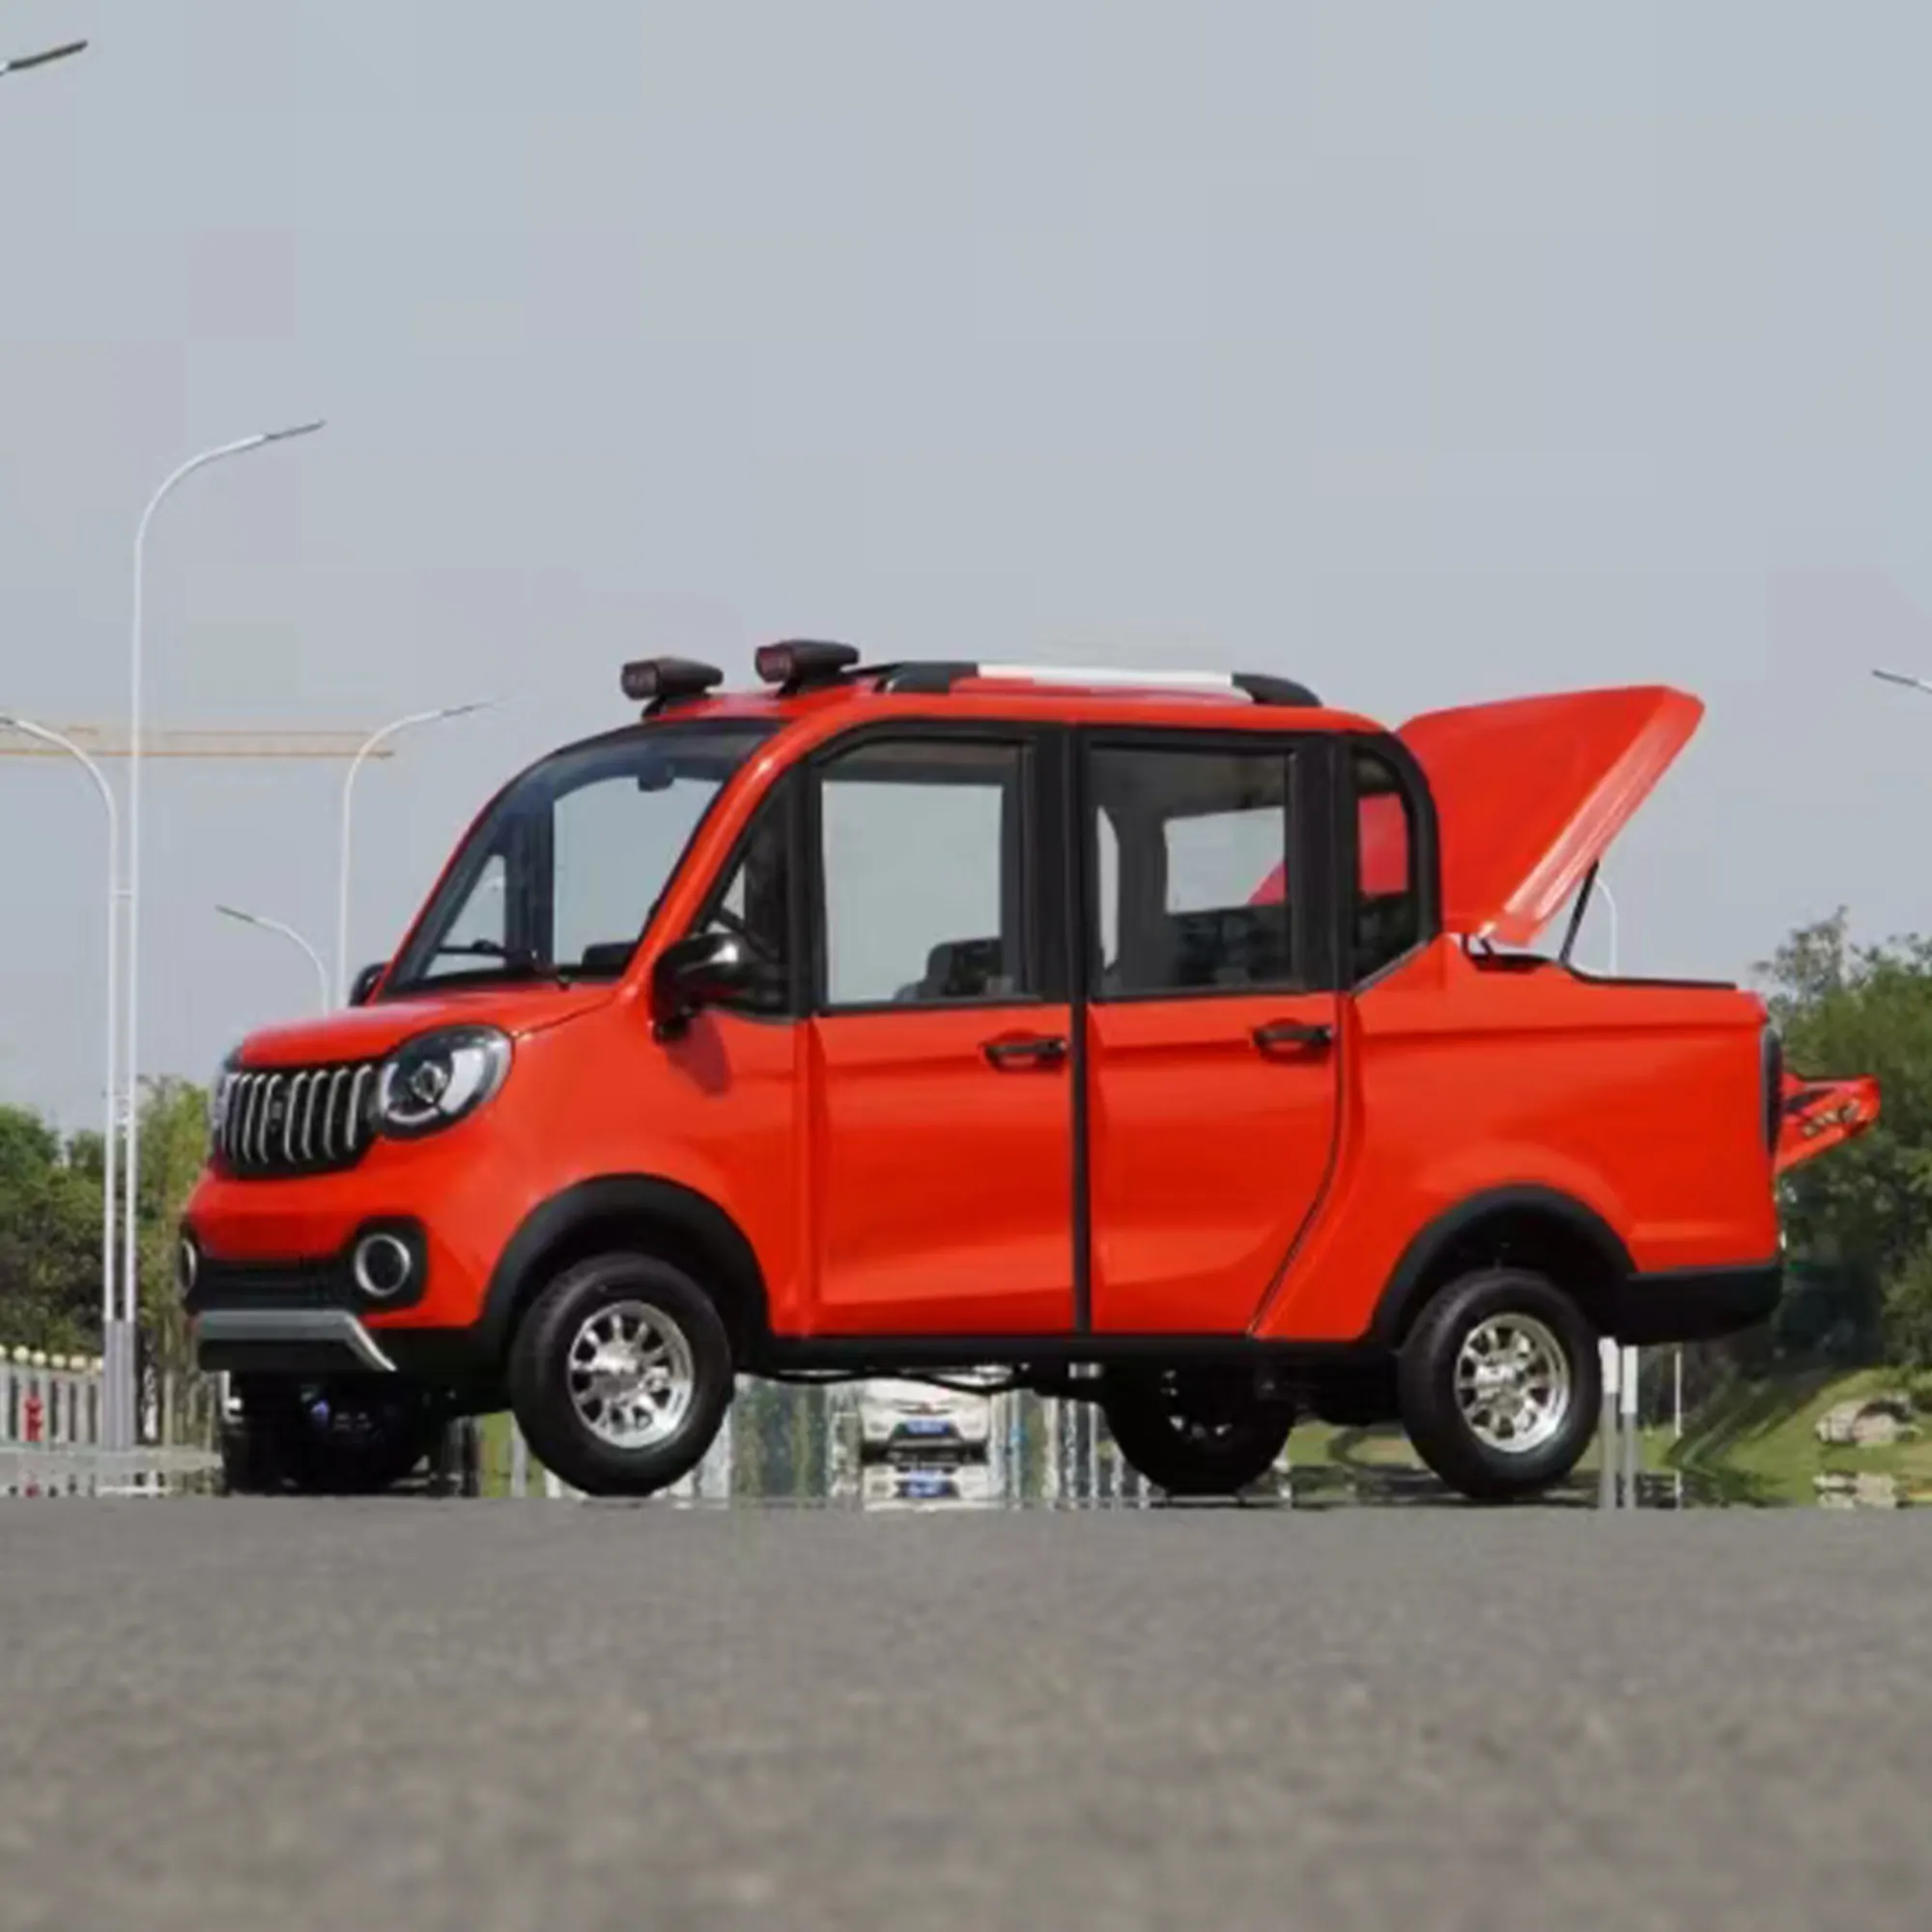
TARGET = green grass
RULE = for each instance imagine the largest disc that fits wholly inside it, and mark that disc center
(1763, 1435)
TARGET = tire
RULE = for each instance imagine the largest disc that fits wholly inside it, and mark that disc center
(1469, 1444)
(1195, 1431)
(594, 1446)
(249, 1466)
(324, 1440)
(348, 1439)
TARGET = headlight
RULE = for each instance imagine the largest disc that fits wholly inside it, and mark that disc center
(433, 1080)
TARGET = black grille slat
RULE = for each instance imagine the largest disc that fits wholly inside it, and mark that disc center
(297, 1119)
(246, 1285)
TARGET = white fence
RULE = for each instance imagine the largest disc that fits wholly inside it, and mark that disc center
(55, 1402)
(49, 1401)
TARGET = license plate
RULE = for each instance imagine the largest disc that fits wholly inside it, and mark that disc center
(926, 1425)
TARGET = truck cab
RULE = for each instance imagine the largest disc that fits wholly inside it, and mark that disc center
(1169, 1042)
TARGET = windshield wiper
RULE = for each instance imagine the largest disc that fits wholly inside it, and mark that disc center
(518, 959)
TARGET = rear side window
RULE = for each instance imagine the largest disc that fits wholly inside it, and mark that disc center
(1387, 912)
(1179, 841)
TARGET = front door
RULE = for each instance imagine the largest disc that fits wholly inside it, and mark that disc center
(941, 1150)
(1212, 1025)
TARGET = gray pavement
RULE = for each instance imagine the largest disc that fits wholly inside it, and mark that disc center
(425, 1714)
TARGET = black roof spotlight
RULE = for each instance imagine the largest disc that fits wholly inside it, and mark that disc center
(655, 682)
(800, 661)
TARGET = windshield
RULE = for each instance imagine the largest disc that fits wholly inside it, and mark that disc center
(561, 876)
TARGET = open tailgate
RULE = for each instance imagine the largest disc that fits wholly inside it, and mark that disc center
(1822, 1114)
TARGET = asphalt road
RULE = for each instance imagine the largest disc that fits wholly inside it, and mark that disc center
(425, 1714)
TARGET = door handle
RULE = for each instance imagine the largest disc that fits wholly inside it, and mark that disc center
(1276, 1033)
(1032, 1049)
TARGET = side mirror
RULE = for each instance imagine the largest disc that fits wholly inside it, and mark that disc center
(695, 972)
(366, 982)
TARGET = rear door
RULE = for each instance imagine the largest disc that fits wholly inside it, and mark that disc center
(941, 1149)
(1212, 1021)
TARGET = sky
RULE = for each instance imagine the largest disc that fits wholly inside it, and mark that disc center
(1426, 355)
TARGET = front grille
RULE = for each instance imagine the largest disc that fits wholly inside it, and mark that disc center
(296, 1120)
(268, 1285)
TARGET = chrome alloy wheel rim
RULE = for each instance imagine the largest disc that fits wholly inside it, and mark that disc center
(633, 1377)
(1513, 1383)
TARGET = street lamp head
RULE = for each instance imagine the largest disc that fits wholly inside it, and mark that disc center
(1900, 677)
(293, 430)
(20, 63)
(235, 912)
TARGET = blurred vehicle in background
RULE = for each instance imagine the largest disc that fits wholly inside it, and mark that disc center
(920, 1419)
(887, 1483)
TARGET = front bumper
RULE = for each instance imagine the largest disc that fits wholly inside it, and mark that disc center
(288, 1342)
(313, 1319)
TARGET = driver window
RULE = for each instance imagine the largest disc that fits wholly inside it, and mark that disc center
(922, 863)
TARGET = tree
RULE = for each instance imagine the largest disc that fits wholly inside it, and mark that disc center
(1861, 1216)
(49, 1240)
(173, 1143)
(50, 1200)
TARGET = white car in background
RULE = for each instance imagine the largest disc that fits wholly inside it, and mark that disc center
(922, 1422)
(914, 1485)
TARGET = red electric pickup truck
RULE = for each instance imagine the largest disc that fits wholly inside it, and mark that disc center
(891, 1018)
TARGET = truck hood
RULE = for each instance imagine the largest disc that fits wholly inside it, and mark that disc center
(1530, 793)
(367, 1032)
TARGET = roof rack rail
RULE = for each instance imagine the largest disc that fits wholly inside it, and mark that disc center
(1259, 685)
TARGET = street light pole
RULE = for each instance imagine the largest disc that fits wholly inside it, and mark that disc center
(131, 1285)
(20, 63)
(115, 1433)
(1627, 1383)
(375, 739)
(286, 932)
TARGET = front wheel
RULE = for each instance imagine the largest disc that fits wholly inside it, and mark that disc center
(620, 1376)
(1499, 1383)
(1196, 1431)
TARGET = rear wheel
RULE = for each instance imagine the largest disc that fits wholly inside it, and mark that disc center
(1499, 1383)
(620, 1375)
(1196, 1431)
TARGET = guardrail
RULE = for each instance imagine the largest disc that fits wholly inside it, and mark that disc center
(56, 1402)
(49, 1401)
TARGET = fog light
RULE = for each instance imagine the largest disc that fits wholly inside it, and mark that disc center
(187, 1265)
(382, 1265)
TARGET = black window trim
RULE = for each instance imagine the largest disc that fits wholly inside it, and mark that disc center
(1308, 854)
(784, 794)
(1039, 840)
(1425, 856)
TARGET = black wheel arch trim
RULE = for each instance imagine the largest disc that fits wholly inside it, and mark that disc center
(1404, 1291)
(554, 1223)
